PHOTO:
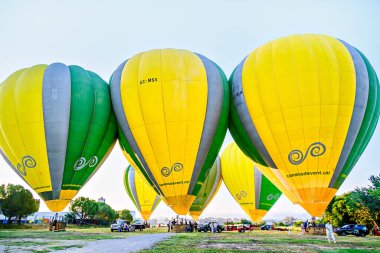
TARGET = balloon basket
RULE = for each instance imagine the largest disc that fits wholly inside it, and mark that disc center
(57, 226)
(179, 228)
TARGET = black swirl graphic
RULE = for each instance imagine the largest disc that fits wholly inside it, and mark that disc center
(240, 195)
(27, 162)
(296, 156)
(165, 171)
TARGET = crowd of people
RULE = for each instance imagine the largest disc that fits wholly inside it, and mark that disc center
(190, 226)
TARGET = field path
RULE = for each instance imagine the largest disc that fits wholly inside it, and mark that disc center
(129, 244)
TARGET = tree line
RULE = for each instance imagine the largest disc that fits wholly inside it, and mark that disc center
(360, 206)
(87, 211)
(17, 203)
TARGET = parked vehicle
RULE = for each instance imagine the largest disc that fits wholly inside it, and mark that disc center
(241, 228)
(352, 229)
(139, 224)
(205, 227)
(267, 227)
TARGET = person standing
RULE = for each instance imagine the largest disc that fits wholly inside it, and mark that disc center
(303, 228)
(330, 232)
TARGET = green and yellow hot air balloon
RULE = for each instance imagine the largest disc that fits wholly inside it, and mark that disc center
(140, 192)
(172, 107)
(208, 190)
(249, 187)
(57, 128)
(305, 106)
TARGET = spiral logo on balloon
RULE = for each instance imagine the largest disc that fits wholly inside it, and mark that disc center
(273, 196)
(165, 171)
(242, 194)
(26, 162)
(82, 162)
(315, 149)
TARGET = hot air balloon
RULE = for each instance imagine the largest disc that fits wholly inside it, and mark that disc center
(140, 192)
(172, 107)
(305, 106)
(249, 187)
(57, 128)
(208, 191)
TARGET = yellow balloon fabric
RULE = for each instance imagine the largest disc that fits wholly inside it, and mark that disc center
(140, 192)
(249, 187)
(56, 128)
(171, 124)
(305, 106)
(208, 190)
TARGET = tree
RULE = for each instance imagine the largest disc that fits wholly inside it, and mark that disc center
(84, 208)
(125, 215)
(367, 197)
(105, 213)
(16, 201)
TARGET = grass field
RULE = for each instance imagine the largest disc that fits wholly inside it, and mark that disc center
(264, 241)
(41, 241)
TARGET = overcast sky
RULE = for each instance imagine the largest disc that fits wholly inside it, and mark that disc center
(99, 36)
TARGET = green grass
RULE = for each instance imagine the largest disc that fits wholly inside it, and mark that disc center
(263, 241)
(40, 240)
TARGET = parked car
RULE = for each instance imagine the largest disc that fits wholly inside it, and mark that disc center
(119, 225)
(352, 229)
(266, 227)
(205, 227)
(139, 224)
(241, 228)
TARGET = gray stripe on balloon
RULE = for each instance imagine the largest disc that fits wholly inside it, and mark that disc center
(132, 185)
(156, 202)
(361, 98)
(213, 112)
(218, 174)
(244, 116)
(56, 99)
(123, 123)
(258, 182)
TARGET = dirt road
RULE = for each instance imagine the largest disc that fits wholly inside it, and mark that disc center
(129, 244)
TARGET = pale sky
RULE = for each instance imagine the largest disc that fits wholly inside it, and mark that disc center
(99, 36)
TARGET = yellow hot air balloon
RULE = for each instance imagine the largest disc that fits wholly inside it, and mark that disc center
(208, 191)
(140, 192)
(305, 106)
(56, 128)
(172, 107)
(249, 187)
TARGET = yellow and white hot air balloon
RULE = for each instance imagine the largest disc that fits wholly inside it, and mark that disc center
(172, 107)
(306, 106)
(140, 192)
(208, 191)
(249, 187)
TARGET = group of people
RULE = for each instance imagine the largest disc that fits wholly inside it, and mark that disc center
(328, 226)
(190, 226)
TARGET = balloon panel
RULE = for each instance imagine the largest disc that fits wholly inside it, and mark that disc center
(140, 192)
(249, 187)
(208, 190)
(59, 130)
(308, 95)
(172, 124)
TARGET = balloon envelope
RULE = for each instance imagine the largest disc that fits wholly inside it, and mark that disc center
(208, 190)
(305, 106)
(172, 107)
(57, 128)
(249, 187)
(140, 192)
